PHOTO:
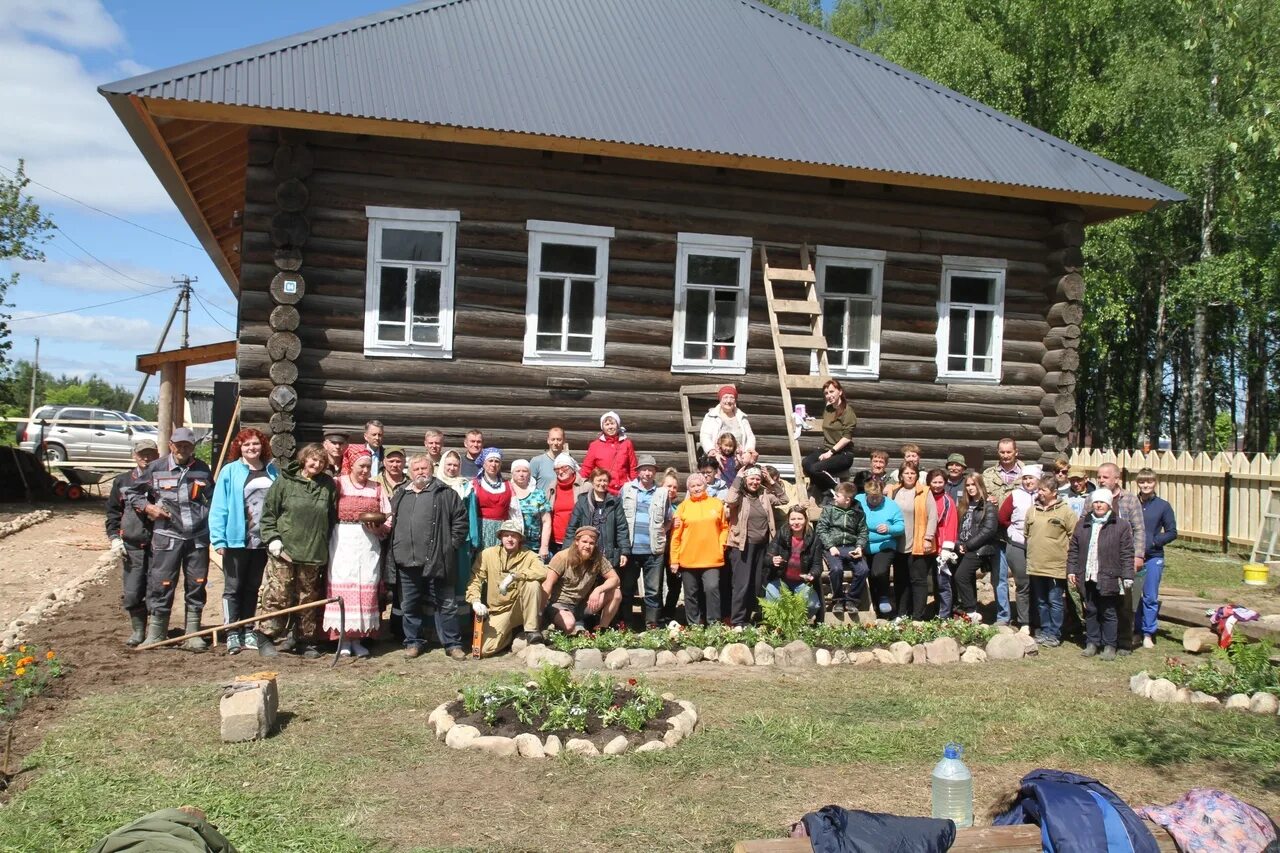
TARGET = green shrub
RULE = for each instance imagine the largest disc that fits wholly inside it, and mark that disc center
(787, 615)
(1242, 667)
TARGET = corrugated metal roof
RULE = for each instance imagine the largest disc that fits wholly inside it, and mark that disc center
(720, 76)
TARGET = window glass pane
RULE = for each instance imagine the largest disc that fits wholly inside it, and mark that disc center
(426, 296)
(426, 334)
(559, 257)
(981, 365)
(726, 321)
(850, 281)
(982, 333)
(550, 307)
(401, 245)
(833, 330)
(695, 352)
(980, 290)
(392, 296)
(582, 298)
(579, 343)
(858, 358)
(957, 341)
(859, 324)
(391, 332)
(548, 343)
(696, 307)
(957, 363)
(709, 269)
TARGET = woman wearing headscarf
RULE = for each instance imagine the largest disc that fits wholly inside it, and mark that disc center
(495, 498)
(697, 550)
(451, 475)
(726, 418)
(235, 514)
(613, 452)
(562, 496)
(535, 509)
(355, 555)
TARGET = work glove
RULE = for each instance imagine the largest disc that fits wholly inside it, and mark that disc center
(1128, 584)
(276, 547)
(506, 583)
(117, 547)
(480, 609)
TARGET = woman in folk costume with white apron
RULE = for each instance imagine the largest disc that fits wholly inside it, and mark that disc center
(355, 555)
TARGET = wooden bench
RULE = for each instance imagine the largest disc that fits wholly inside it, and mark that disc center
(978, 839)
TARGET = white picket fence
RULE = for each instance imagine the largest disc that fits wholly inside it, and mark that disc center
(1219, 498)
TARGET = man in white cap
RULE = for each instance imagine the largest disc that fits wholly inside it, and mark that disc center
(130, 535)
(174, 492)
(506, 590)
(644, 504)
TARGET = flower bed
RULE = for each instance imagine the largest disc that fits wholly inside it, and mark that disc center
(25, 673)
(1239, 677)
(555, 712)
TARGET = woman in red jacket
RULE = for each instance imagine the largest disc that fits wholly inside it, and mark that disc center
(613, 452)
(948, 529)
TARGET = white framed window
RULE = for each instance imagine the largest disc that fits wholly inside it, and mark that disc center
(850, 290)
(567, 293)
(713, 281)
(409, 282)
(970, 319)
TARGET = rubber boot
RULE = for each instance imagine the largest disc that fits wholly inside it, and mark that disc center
(139, 625)
(195, 644)
(157, 628)
(266, 646)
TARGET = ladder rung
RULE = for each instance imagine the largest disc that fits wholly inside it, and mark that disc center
(797, 306)
(805, 383)
(813, 342)
(783, 274)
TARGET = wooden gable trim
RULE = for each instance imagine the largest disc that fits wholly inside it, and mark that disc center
(1106, 206)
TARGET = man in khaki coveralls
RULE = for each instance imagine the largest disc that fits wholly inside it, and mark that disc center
(512, 576)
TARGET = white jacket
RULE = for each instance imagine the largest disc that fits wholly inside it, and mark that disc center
(714, 425)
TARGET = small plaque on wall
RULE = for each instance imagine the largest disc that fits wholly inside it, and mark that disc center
(287, 288)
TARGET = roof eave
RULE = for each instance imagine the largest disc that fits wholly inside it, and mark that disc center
(1108, 206)
(138, 121)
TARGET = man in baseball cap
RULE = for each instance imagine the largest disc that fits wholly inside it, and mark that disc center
(645, 528)
(506, 590)
(130, 536)
(174, 493)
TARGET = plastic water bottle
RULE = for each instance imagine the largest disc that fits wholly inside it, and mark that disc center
(953, 787)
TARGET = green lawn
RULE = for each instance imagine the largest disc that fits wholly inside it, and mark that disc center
(1211, 574)
(356, 768)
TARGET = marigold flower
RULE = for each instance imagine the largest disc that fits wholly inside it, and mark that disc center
(20, 671)
(50, 655)
(22, 649)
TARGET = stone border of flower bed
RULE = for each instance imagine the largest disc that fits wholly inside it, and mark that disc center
(1165, 691)
(52, 603)
(22, 522)
(530, 745)
(1005, 645)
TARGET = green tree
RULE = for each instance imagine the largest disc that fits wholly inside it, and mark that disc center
(22, 229)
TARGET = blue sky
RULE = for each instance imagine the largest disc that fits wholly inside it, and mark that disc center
(53, 55)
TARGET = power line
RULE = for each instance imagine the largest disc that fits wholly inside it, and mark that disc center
(84, 307)
(208, 313)
(156, 287)
(106, 212)
(81, 261)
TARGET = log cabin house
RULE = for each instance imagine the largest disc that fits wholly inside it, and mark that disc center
(506, 214)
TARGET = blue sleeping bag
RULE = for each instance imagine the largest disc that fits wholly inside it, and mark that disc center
(1077, 814)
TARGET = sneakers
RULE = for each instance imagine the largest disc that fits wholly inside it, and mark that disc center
(1025, 630)
(975, 618)
(1048, 641)
(884, 606)
(1089, 651)
(234, 642)
(250, 639)
(1109, 653)
(1148, 642)
(456, 653)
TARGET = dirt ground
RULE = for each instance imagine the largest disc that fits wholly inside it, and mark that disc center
(49, 555)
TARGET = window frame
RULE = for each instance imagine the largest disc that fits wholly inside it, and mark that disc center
(714, 245)
(444, 222)
(868, 259)
(543, 231)
(958, 265)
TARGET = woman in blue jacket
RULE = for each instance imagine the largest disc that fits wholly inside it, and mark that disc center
(884, 525)
(234, 514)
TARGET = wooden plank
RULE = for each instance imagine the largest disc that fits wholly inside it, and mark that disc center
(204, 354)
(813, 342)
(806, 383)
(1192, 612)
(786, 274)
(1022, 838)
(797, 306)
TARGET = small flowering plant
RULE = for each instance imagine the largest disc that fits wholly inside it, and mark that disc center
(555, 701)
(25, 673)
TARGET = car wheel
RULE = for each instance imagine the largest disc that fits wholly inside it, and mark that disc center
(55, 453)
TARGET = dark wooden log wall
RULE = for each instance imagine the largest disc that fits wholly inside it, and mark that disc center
(486, 386)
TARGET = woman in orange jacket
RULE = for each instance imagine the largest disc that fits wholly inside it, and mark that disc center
(697, 550)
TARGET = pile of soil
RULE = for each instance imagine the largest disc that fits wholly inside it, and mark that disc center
(508, 726)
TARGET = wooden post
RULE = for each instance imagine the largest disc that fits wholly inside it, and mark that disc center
(169, 392)
(1226, 512)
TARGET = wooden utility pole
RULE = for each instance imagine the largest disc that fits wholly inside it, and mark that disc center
(35, 376)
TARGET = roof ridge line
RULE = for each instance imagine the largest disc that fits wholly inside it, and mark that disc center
(935, 88)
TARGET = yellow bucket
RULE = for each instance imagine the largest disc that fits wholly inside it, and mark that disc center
(1255, 574)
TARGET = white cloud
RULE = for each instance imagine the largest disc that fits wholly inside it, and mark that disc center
(75, 23)
(86, 276)
(131, 334)
(55, 119)
(129, 68)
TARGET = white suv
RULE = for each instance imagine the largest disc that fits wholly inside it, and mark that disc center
(82, 433)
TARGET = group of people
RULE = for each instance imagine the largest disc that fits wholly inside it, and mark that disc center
(557, 543)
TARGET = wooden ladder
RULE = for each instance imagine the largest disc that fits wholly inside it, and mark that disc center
(798, 300)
